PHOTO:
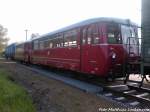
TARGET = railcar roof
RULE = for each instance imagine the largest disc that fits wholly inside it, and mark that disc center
(90, 21)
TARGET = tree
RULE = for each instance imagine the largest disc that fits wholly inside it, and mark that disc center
(3, 39)
(34, 35)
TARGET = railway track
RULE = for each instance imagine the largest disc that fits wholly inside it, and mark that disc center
(129, 95)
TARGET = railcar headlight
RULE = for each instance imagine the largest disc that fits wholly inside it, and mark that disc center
(113, 55)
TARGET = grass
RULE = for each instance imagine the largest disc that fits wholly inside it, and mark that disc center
(13, 98)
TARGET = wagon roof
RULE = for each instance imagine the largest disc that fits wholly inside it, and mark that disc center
(10, 45)
(90, 21)
(20, 43)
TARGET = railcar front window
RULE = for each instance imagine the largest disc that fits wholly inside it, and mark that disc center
(130, 39)
(113, 34)
(128, 33)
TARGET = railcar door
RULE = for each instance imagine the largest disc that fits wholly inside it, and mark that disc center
(84, 50)
(89, 48)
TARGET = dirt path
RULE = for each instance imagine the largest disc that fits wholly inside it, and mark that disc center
(53, 96)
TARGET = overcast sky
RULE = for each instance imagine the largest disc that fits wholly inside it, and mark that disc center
(42, 16)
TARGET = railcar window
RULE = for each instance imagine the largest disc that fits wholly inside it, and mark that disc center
(95, 35)
(84, 36)
(36, 45)
(46, 44)
(113, 34)
(50, 44)
(54, 41)
(41, 45)
(127, 32)
(70, 38)
(59, 40)
(92, 35)
(20, 48)
(89, 35)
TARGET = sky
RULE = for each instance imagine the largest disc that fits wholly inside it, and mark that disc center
(43, 16)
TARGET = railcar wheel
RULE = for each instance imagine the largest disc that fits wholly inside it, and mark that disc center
(110, 79)
(126, 78)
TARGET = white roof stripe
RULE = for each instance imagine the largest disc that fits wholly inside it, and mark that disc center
(90, 21)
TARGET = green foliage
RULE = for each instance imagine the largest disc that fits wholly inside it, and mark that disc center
(3, 38)
(13, 98)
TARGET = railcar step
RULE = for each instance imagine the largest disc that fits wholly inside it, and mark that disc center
(120, 98)
(135, 103)
(137, 82)
(128, 92)
(114, 86)
(119, 87)
(108, 94)
(142, 95)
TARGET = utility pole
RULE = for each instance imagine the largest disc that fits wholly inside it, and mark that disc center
(26, 33)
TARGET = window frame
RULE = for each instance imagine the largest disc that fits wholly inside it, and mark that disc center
(71, 39)
(88, 34)
(118, 26)
(36, 47)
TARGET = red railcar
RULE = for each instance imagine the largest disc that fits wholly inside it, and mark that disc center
(98, 46)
